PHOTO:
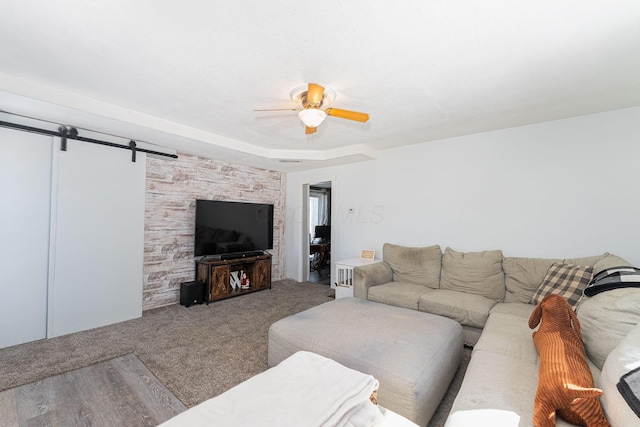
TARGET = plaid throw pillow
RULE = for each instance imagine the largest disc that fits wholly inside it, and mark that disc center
(566, 280)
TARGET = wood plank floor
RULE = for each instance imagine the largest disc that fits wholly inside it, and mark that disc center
(117, 392)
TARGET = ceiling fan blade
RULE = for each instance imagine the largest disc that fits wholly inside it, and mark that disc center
(314, 94)
(309, 130)
(346, 114)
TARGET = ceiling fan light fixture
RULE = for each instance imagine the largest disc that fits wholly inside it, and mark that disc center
(312, 117)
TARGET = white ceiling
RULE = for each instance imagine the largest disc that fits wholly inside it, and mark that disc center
(188, 74)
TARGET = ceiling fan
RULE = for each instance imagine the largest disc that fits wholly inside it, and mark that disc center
(312, 97)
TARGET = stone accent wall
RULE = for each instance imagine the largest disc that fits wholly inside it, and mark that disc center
(172, 188)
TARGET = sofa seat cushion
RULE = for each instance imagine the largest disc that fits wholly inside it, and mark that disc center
(508, 335)
(400, 294)
(514, 309)
(483, 396)
(478, 273)
(482, 400)
(467, 309)
(414, 265)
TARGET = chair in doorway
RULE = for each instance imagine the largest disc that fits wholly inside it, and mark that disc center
(320, 248)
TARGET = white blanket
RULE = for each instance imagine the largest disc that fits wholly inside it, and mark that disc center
(304, 390)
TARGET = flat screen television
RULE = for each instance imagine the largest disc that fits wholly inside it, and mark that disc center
(231, 227)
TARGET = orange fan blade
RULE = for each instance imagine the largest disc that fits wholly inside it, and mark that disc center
(346, 114)
(314, 94)
(309, 130)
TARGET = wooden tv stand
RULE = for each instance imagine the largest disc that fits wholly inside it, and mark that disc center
(216, 276)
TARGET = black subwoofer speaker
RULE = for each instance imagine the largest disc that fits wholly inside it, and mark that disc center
(191, 293)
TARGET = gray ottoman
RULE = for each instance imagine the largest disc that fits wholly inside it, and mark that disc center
(413, 354)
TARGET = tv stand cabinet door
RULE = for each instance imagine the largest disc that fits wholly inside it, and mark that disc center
(262, 274)
(220, 282)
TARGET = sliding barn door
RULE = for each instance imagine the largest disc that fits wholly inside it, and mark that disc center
(25, 186)
(98, 230)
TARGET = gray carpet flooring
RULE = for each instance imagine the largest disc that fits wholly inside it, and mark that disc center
(196, 352)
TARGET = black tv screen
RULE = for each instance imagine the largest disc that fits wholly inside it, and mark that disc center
(229, 227)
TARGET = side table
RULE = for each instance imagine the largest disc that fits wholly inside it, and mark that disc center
(344, 275)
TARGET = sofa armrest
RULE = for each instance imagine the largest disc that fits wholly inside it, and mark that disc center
(365, 276)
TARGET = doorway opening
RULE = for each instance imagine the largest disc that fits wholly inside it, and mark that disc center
(318, 223)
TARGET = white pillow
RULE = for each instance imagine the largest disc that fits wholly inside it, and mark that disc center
(622, 359)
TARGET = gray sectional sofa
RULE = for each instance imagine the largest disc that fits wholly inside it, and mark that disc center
(491, 297)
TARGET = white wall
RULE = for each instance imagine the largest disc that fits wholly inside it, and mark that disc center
(566, 188)
(172, 190)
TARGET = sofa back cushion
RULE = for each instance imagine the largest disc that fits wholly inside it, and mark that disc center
(588, 260)
(523, 276)
(609, 261)
(606, 318)
(414, 265)
(477, 273)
